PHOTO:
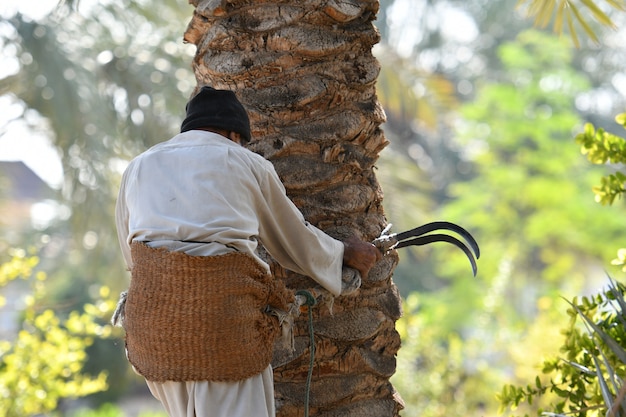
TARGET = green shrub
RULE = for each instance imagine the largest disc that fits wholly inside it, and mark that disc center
(587, 379)
(43, 363)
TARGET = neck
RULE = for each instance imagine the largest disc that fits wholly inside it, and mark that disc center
(223, 132)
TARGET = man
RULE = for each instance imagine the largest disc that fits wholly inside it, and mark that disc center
(191, 214)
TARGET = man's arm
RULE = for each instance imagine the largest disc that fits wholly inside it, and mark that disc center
(121, 222)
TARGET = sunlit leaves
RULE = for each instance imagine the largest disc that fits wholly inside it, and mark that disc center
(621, 259)
(568, 12)
(587, 378)
(529, 191)
(43, 362)
(602, 147)
(433, 373)
(18, 266)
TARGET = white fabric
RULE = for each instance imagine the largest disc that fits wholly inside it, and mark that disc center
(253, 397)
(202, 194)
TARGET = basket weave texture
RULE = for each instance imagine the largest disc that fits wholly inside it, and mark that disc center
(197, 318)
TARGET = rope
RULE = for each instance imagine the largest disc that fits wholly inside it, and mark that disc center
(310, 302)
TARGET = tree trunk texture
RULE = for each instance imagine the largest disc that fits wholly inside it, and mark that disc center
(304, 70)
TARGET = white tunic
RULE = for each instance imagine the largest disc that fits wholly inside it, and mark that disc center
(202, 194)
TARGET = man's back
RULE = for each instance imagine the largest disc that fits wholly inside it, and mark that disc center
(204, 195)
(196, 187)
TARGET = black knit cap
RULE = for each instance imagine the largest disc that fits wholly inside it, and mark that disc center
(218, 109)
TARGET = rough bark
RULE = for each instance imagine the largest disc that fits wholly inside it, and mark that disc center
(304, 69)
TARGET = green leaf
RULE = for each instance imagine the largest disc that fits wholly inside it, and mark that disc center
(621, 303)
(580, 367)
(606, 393)
(610, 342)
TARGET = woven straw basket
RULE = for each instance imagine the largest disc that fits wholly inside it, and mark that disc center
(193, 318)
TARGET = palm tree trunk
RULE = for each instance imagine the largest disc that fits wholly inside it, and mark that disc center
(304, 69)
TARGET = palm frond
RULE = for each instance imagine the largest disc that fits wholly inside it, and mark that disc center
(583, 22)
(611, 403)
(607, 339)
(572, 30)
(581, 368)
(598, 14)
(544, 11)
(604, 387)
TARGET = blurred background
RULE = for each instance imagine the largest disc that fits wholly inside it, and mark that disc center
(482, 110)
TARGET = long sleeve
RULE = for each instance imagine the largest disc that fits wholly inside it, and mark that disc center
(204, 195)
(121, 222)
(293, 242)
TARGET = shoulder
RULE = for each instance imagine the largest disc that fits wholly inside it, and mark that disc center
(251, 157)
(256, 166)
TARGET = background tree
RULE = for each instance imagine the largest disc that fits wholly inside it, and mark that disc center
(529, 194)
(586, 377)
(43, 364)
(104, 83)
(603, 147)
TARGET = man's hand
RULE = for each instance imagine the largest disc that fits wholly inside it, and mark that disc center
(360, 255)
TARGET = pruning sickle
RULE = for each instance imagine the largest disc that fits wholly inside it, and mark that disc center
(419, 236)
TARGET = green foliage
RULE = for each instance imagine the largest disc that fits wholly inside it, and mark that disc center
(43, 364)
(527, 200)
(528, 207)
(587, 378)
(438, 374)
(18, 266)
(602, 147)
(103, 81)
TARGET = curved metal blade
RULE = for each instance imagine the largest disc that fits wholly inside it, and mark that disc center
(424, 240)
(438, 225)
